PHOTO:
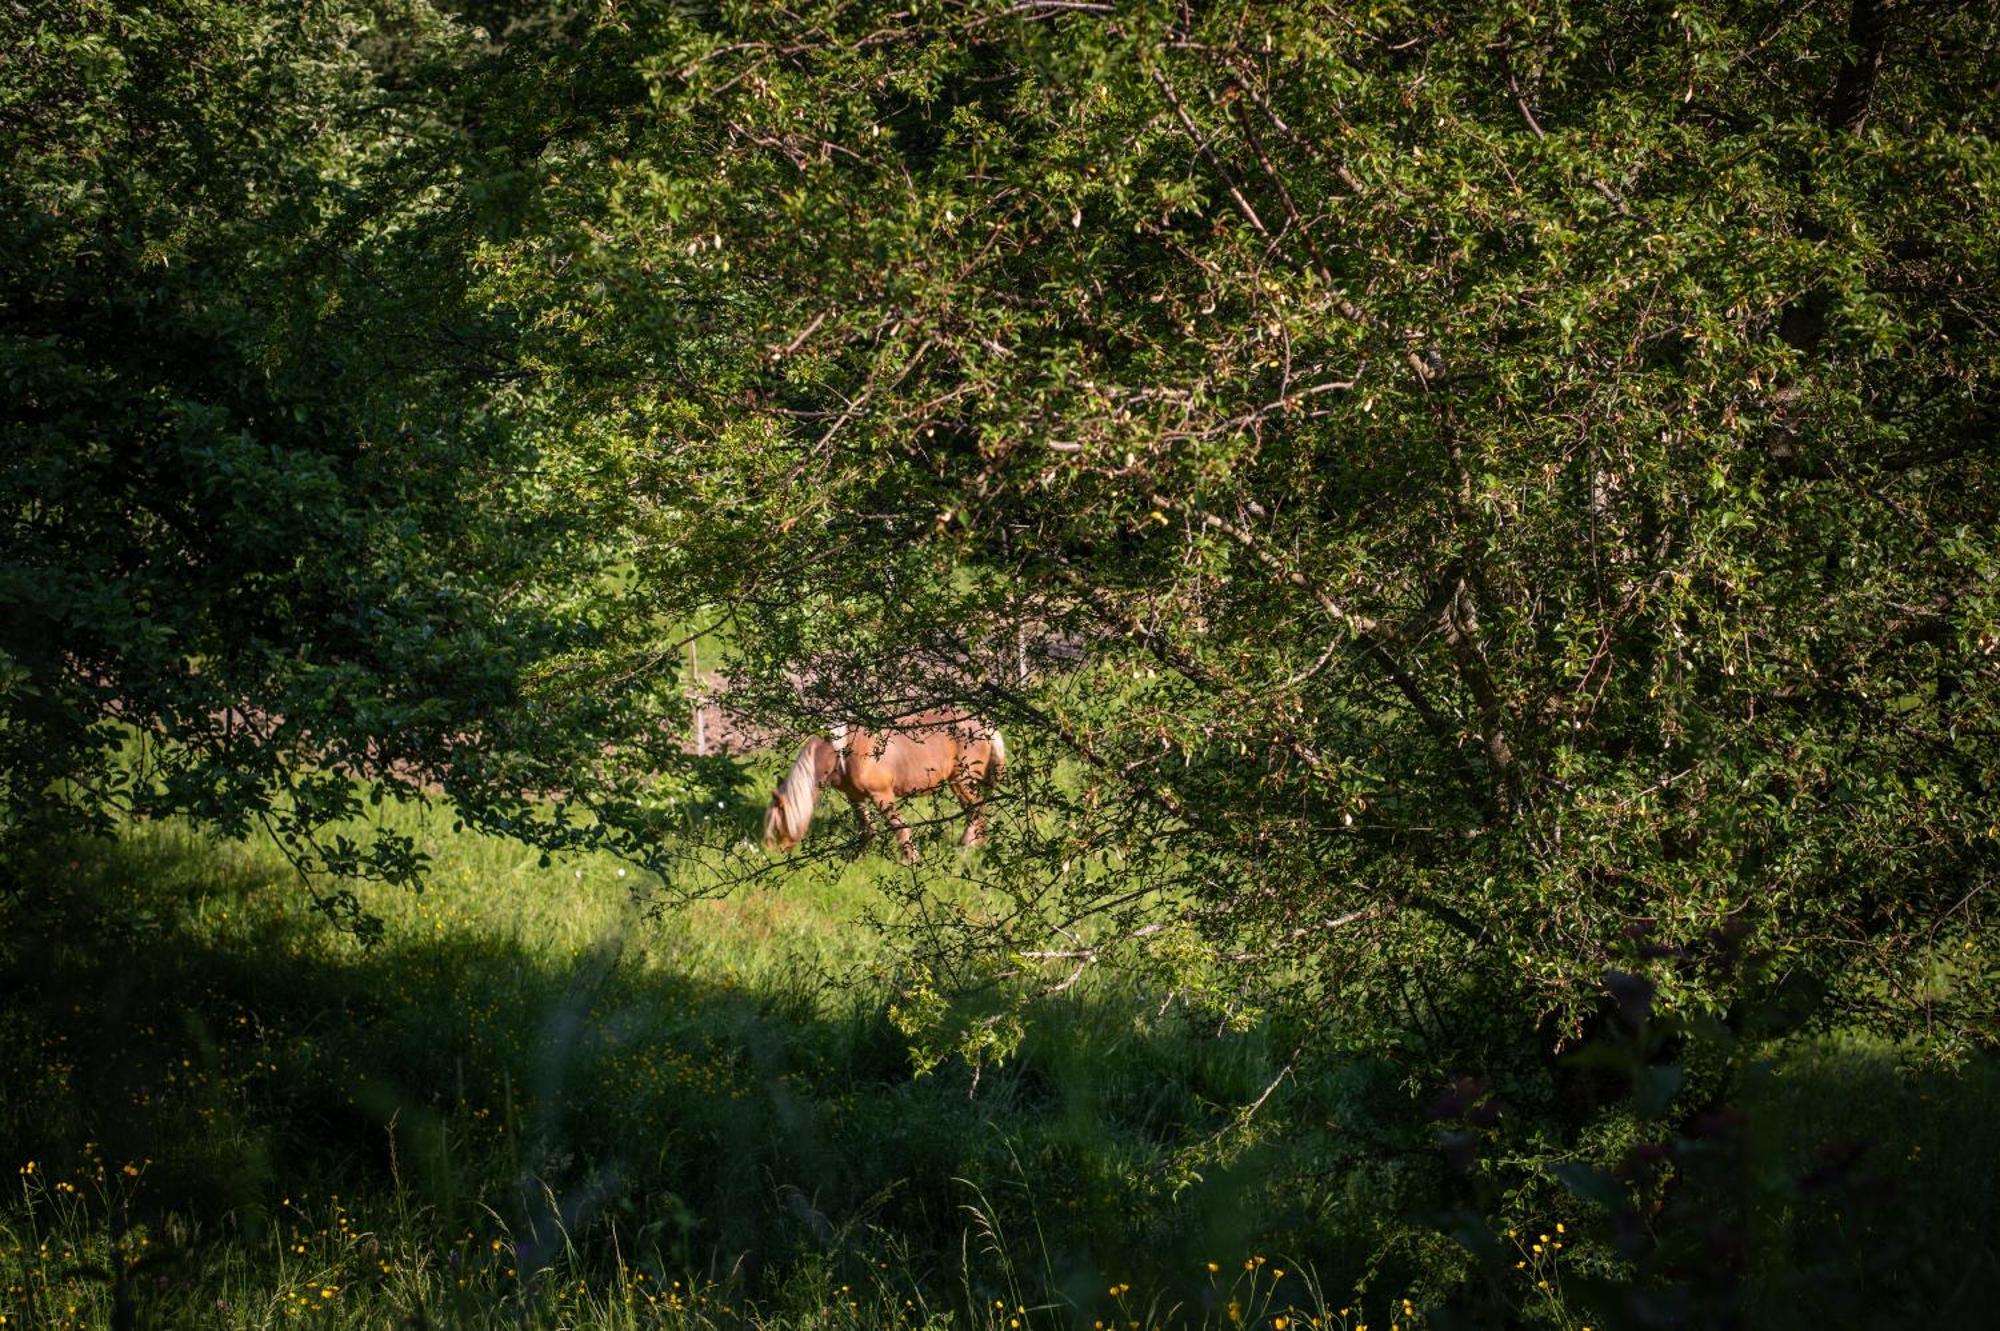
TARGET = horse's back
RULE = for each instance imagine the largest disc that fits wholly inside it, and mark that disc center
(922, 751)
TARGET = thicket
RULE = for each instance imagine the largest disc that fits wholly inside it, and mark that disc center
(1494, 503)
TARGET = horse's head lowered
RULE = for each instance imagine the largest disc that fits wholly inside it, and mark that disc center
(792, 803)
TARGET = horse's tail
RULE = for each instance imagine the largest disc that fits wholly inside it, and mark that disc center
(792, 803)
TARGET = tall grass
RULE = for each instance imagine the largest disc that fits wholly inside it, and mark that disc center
(536, 1099)
(537, 1103)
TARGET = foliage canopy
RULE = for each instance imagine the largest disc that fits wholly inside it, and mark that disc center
(1519, 478)
(1521, 474)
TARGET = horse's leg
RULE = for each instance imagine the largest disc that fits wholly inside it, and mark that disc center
(896, 824)
(975, 812)
(867, 823)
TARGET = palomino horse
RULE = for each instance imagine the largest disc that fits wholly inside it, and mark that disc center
(874, 769)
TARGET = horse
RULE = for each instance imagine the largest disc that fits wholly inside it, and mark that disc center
(915, 754)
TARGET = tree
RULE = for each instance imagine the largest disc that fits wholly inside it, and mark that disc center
(1524, 475)
(270, 517)
(1520, 479)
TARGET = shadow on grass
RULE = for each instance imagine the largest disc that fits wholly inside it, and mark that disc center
(1881, 1189)
(182, 1014)
(493, 1104)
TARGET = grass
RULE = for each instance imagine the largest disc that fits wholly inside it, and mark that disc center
(532, 1099)
(534, 1104)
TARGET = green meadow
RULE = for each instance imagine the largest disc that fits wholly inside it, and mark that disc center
(540, 1098)
(544, 1101)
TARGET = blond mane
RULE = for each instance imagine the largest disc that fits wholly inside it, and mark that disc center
(791, 811)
